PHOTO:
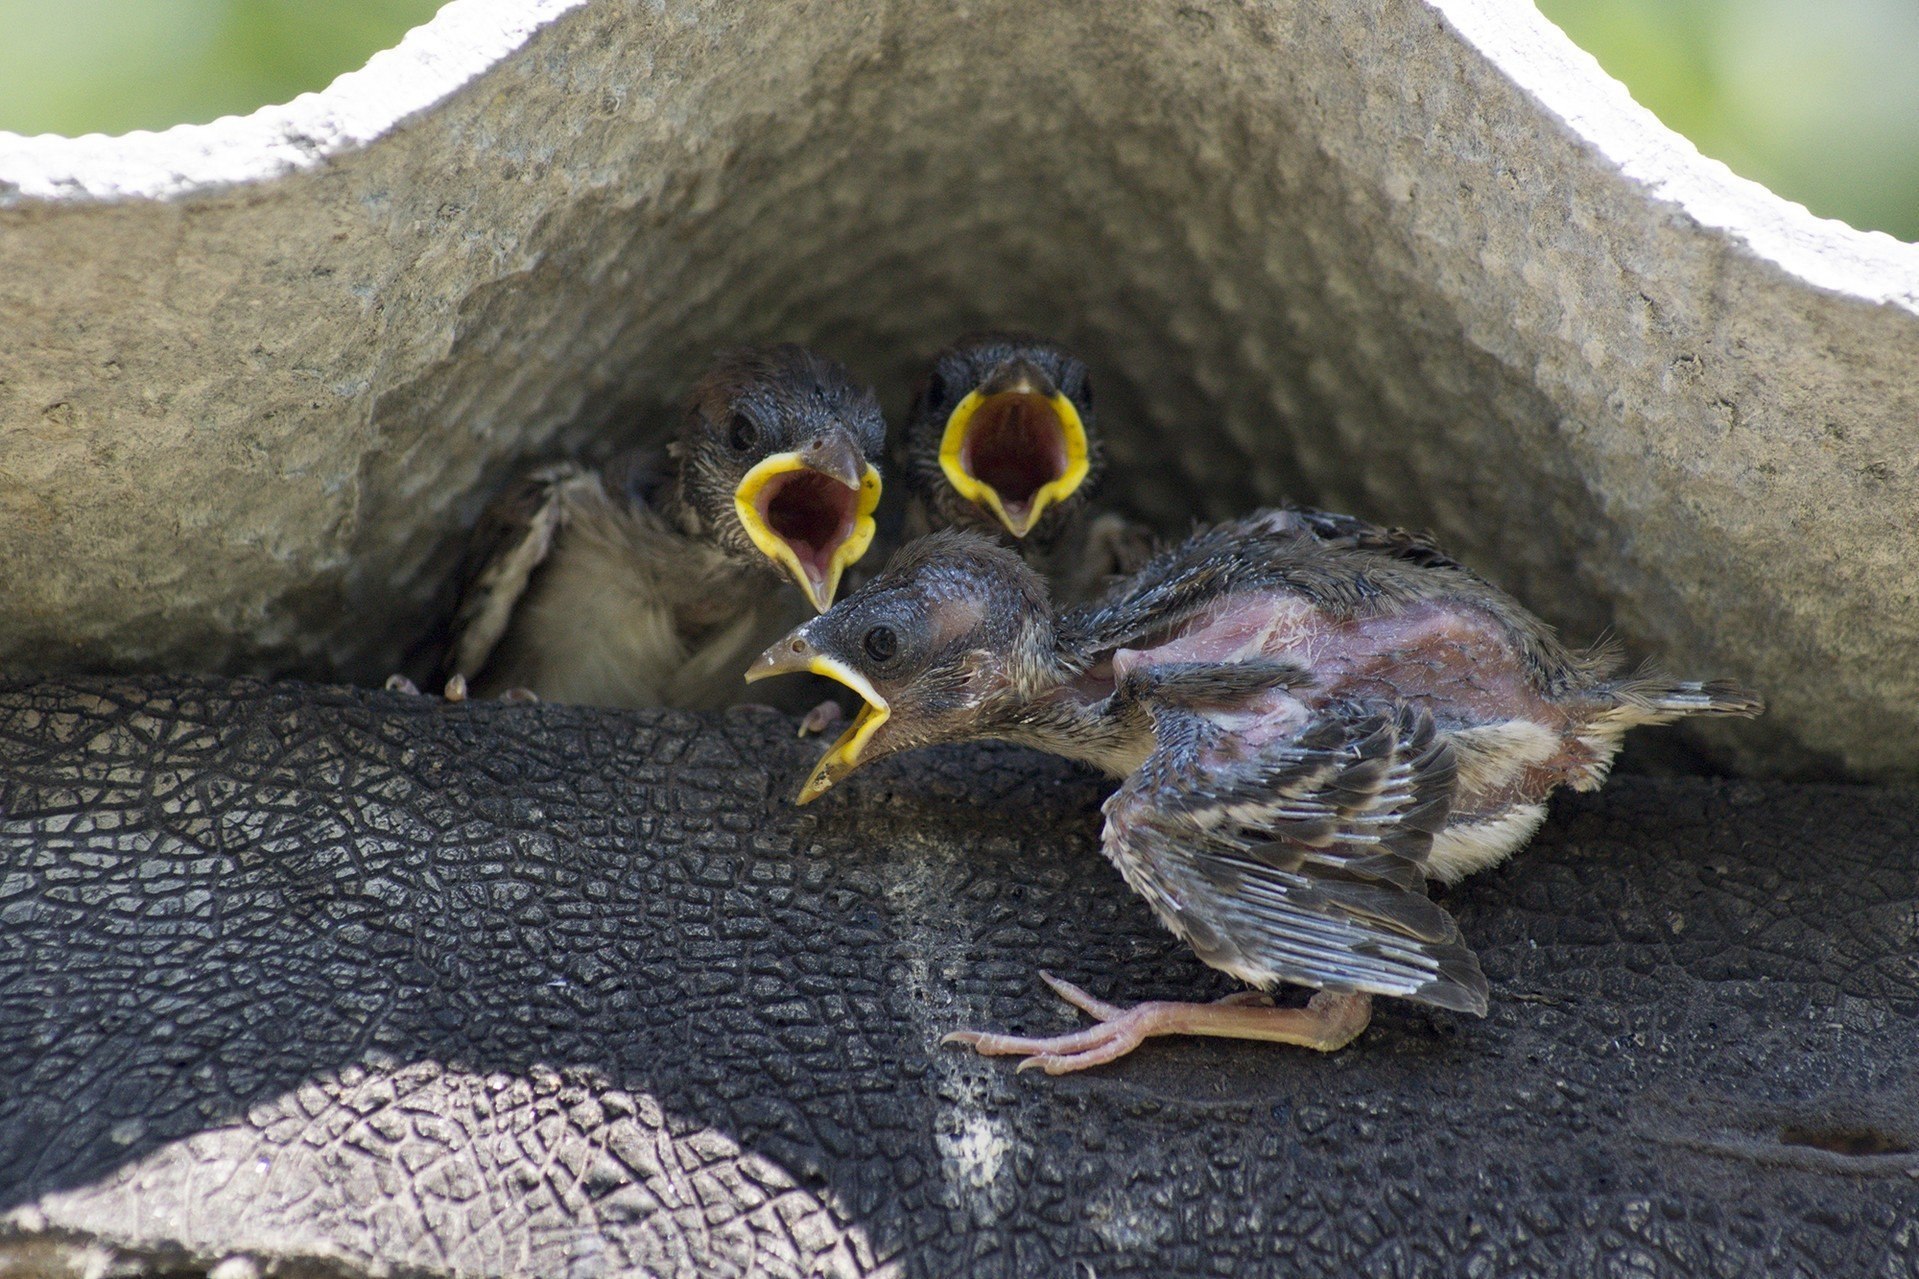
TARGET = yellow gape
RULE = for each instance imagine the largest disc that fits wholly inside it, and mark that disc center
(794, 655)
(960, 450)
(810, 522)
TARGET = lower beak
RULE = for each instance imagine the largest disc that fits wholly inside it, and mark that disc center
(811, 512)
(795, 655)
(1015, 450)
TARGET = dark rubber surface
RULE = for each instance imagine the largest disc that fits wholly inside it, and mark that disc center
(467, 980)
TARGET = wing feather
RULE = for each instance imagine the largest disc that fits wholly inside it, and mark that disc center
(1302, 860)
(512, 539)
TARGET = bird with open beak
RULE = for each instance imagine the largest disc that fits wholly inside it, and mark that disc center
(1306, 731)
(652, 583)
(1001, 440)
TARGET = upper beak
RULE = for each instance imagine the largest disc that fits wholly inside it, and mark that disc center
(795, 654)
(836, 455)
(1015, 445)
(810, 510)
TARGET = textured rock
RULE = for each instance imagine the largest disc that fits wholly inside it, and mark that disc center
(327, 982)
(1422, 260)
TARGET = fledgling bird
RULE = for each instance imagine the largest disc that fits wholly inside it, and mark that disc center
(1002, 440)
(1307, 733)
(654, 582)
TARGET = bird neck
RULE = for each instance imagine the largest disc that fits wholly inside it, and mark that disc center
(669, 497)
(1054, 709)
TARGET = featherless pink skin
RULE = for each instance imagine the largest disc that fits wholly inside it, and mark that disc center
(1311, 717)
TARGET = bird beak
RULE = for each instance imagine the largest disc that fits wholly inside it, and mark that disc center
(811, 511)
(795, 654)
(1015, 445)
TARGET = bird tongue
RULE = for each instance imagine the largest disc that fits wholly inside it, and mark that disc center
(813, 514)
(1015, 445)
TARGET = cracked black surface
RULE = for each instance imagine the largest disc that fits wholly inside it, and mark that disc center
(542, 990)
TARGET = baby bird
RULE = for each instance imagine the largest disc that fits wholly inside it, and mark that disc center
(1001, 439)
(1306, 732)
(653, 582)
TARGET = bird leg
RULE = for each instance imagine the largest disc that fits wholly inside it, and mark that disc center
(1329, 1021)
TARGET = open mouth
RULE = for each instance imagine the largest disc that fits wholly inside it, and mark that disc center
(1016, 446)
(813, 514)
(795, 654)
(1015, 452)
(811, 523)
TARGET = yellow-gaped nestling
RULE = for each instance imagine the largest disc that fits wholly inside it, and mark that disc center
(653, 582)
(1002, 440)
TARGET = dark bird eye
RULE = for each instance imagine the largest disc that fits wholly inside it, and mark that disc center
(881, 643)
(935, 390)
(741, 434)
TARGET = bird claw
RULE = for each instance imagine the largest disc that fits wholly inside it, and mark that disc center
(1062, 1054)
(821, 717)
(525, 696)
(1118, 1031)
(401, 684)
(1328, 1021)
(1097, 1009)
(455, 690)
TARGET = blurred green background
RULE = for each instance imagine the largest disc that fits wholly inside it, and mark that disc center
(1818, 99)
(108, 66)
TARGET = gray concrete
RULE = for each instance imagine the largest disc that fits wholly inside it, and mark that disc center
(1421, 260)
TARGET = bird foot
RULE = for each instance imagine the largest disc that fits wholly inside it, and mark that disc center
(401, 684)
(1328, 1021)
(1117, 545)
(455, 690)
(821, 717)
(522, 695)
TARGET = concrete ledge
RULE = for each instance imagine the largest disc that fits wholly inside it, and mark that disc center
(1422, 260)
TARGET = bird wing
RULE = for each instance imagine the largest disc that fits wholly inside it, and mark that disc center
(1419, 548)
(1299, 858)
(512, 539)
(1174, 584)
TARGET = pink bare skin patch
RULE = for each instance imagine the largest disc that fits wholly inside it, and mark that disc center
(1433, 652)
(1442, 653)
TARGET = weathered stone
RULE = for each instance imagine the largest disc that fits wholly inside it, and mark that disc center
(1418, 259)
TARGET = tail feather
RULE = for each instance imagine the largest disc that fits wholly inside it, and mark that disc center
(1710, 697)
(1653, 699)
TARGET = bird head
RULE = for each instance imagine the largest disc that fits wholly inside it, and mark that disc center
(1001, 434)
(776, 464)
(952, 635)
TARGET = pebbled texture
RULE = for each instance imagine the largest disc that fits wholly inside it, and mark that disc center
(1418, 260)
(320, 981)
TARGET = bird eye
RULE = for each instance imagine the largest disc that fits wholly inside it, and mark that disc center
(935, 390)
(741, 434)
(881, 643)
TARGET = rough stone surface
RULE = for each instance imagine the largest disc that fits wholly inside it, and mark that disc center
(1419, 259)
(316, 981)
